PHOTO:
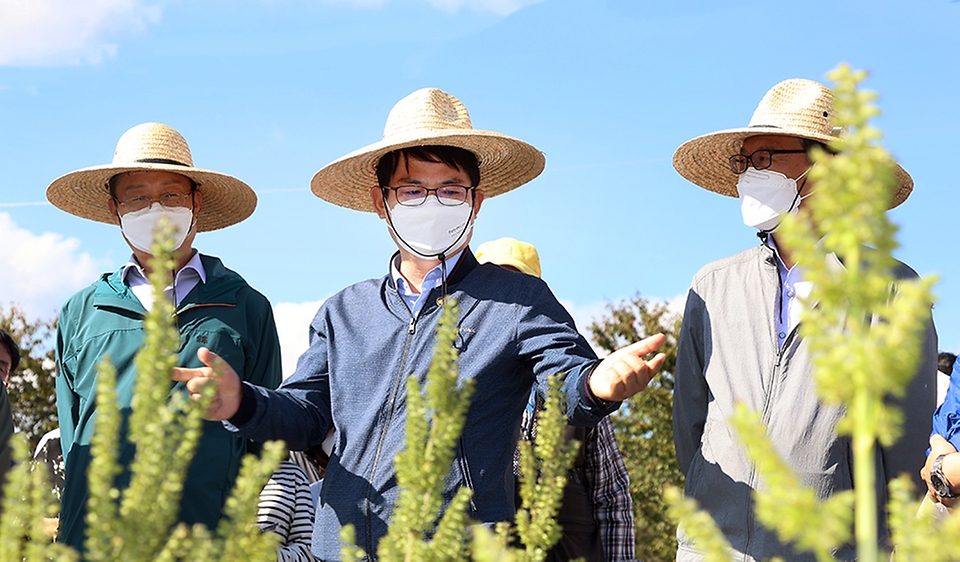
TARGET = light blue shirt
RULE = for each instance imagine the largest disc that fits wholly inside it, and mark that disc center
(189, 276)
(788, 308)
(433, 278)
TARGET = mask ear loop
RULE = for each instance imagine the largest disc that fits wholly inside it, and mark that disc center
(193, 205)
(443, 258)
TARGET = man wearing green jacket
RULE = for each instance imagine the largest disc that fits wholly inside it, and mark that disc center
(152, 176)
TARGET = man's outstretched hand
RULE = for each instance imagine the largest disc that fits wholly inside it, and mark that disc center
(625, 372)
(226, 401)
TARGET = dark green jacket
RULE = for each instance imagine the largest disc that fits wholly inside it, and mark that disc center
(224, 314)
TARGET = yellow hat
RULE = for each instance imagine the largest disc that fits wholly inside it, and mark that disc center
(511, 252)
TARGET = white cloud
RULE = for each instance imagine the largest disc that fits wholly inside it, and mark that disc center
(293, 324)
(39, 272)
(500, 7)
(45, 32)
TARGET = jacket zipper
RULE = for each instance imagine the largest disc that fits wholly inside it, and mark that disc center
(765, 418)
(411, 330)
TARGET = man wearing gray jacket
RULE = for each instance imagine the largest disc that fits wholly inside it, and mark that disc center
(740, 341)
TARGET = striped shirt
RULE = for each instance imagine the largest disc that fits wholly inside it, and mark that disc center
(286, 508)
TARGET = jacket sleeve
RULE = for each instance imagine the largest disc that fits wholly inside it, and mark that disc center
(67, 399)
(918, 406)
(946, 419)
(690, 392)
(299, 410)
(265, 367)
(548, 341)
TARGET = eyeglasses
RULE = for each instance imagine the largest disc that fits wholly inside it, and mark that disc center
(415, 195)
(169, 200)
(760, 159)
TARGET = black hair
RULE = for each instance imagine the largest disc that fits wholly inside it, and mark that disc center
(945, 362)
(453, 156)
(12, 348)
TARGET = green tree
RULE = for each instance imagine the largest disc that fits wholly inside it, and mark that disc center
(32, 387)
(644, 424)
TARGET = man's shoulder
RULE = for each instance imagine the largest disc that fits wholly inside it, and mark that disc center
(361, 289)
(502, 281)
(731, 264)
(225, 279)
(103, 283)
(903, 271)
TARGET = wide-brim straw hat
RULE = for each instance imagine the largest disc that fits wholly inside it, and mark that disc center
(429, 117)
(794, 108)
(155, 147)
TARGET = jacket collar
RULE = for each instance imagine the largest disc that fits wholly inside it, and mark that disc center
(466, 264)
(220, 289)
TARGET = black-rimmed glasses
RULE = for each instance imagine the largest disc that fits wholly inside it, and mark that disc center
(760, 159)
(415, 195)
(170, 200)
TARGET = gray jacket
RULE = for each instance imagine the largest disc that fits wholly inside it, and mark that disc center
(728, 353)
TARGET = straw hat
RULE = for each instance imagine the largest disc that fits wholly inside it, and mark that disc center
(429, 117)
(794, 108)
(153, 146)
(512, 252)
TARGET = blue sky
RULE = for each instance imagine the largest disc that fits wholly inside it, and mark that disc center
(272, 90)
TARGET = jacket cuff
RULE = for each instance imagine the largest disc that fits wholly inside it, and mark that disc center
(248, 407)
(598, 402)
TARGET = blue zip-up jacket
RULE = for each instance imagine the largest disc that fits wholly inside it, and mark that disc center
(364, 343)
(224, 314)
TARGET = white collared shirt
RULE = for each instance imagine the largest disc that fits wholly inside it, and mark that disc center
(189, 276)
(433, 278)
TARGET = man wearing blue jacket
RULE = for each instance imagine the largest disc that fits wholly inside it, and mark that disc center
(152, 176)
(427, 179)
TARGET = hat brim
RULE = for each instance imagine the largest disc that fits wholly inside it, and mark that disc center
(705, 160)
(505, 164)
(86, 194)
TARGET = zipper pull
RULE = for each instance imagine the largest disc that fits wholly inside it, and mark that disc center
(413, 326)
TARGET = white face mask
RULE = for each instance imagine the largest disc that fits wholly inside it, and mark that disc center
(138, 227)
(765, 196)
(430, 229)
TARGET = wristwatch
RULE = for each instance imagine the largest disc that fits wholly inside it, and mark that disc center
(939, 482)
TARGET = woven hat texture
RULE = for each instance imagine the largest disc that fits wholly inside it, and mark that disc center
(796, 108)
(153, 146)
(429, 117)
